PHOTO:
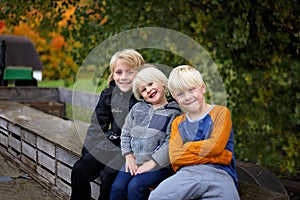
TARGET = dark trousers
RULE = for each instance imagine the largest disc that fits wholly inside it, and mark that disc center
(137, 187)
(87, 169)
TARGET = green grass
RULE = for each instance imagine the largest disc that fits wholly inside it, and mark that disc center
(86, 85)
(56, 83)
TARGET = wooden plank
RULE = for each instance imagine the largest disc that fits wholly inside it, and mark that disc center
(29, 151)
(3, 148)
(46, 161)
(3, 140)
(46, 146)
(65, 95)
(3, 124)
(66, 157)
(98, 180)
(29, 137)
(14, 153)
(27, 161)
(49, 177)
(63, 187)
(53, 108)
(29, 94)
(95, 190)
(14, 143)
(14, 129)
(64, 172)
(51, 128)
(4, 132)
(78, 98)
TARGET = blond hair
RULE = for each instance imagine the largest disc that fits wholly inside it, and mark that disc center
(184, 77)
(129, 57)
(148, 73)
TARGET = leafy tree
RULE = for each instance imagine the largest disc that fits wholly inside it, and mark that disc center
(255, 44)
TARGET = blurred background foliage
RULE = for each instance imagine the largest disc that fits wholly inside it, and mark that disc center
(254, 43)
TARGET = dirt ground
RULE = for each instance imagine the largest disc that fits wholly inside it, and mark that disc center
(17, 185)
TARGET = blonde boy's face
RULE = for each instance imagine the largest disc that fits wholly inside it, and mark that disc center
(123, 76)
(191, 100)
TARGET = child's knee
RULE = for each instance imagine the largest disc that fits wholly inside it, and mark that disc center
(154, 195)
(133, 185)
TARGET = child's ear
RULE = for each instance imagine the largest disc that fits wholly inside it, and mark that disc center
(203, 87)
(170, 98)
(167, 92)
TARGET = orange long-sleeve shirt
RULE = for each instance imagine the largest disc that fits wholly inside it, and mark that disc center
(210, 150)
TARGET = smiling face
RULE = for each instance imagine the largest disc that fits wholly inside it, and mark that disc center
(192, 100)
(123, 76)
(154, 93)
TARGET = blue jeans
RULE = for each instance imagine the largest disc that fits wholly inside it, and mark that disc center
(137, 187)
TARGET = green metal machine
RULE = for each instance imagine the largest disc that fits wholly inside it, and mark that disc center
(18, 73)
(19, 62)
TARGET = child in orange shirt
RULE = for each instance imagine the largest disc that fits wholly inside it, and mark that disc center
(201, 145)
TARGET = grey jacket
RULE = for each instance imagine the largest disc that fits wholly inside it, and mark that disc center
(146, 132)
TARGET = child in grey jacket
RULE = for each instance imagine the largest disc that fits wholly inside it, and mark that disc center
(144, 137)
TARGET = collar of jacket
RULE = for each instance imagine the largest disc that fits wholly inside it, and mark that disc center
(113, 88)
(170, 105)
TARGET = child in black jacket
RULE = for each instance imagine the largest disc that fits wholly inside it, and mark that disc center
(101, 149)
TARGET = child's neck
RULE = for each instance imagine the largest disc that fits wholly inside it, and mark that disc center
(198, 113)
(161, 104)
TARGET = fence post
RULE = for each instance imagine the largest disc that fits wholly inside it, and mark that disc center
(2, 62)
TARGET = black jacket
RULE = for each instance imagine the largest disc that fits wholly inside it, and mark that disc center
(103, 134)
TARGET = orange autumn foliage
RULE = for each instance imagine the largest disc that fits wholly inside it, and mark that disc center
(54, 28)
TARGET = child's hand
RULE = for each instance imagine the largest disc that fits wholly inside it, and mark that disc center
(130, 165)
(147, 166)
